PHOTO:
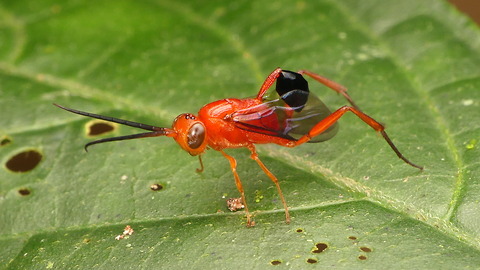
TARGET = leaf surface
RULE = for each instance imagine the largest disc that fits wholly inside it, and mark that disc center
(411, 65)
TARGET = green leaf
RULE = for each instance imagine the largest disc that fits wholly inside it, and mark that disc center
(412, 65)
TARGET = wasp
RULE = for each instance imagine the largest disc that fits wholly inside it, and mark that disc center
(287, 114)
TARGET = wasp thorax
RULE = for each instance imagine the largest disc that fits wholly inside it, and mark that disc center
(191, 133)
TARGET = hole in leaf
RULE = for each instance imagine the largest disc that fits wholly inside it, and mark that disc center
(365, 249)
(156, 187)
(96, 128)
(312, 260)
(275, 262)
(24, 191)
(352, 238)
(4, 141)
(362, 257)
(24, 161)
(299, 230)
(320, 247)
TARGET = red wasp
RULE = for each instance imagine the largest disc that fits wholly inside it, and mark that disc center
(288, 115)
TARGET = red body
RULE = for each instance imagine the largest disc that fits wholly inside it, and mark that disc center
(221, 131)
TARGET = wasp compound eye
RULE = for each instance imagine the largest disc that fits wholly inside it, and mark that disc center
(196, 135)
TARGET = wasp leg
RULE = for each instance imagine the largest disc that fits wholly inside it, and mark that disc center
(254, 156)
(268, 82)
(332, 118)
(233, 166)
(332, 85)
(199, 170)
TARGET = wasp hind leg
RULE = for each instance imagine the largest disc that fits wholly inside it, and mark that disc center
(332, 85)
(332, 118)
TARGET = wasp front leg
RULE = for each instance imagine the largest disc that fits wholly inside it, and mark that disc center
(200, 170)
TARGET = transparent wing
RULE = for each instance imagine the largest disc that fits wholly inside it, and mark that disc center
(275, 117)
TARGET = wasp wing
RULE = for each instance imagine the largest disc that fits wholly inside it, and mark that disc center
(284, 116)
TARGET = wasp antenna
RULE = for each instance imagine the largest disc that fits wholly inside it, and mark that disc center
(111, 119)
(164, 132)
(156, 131)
